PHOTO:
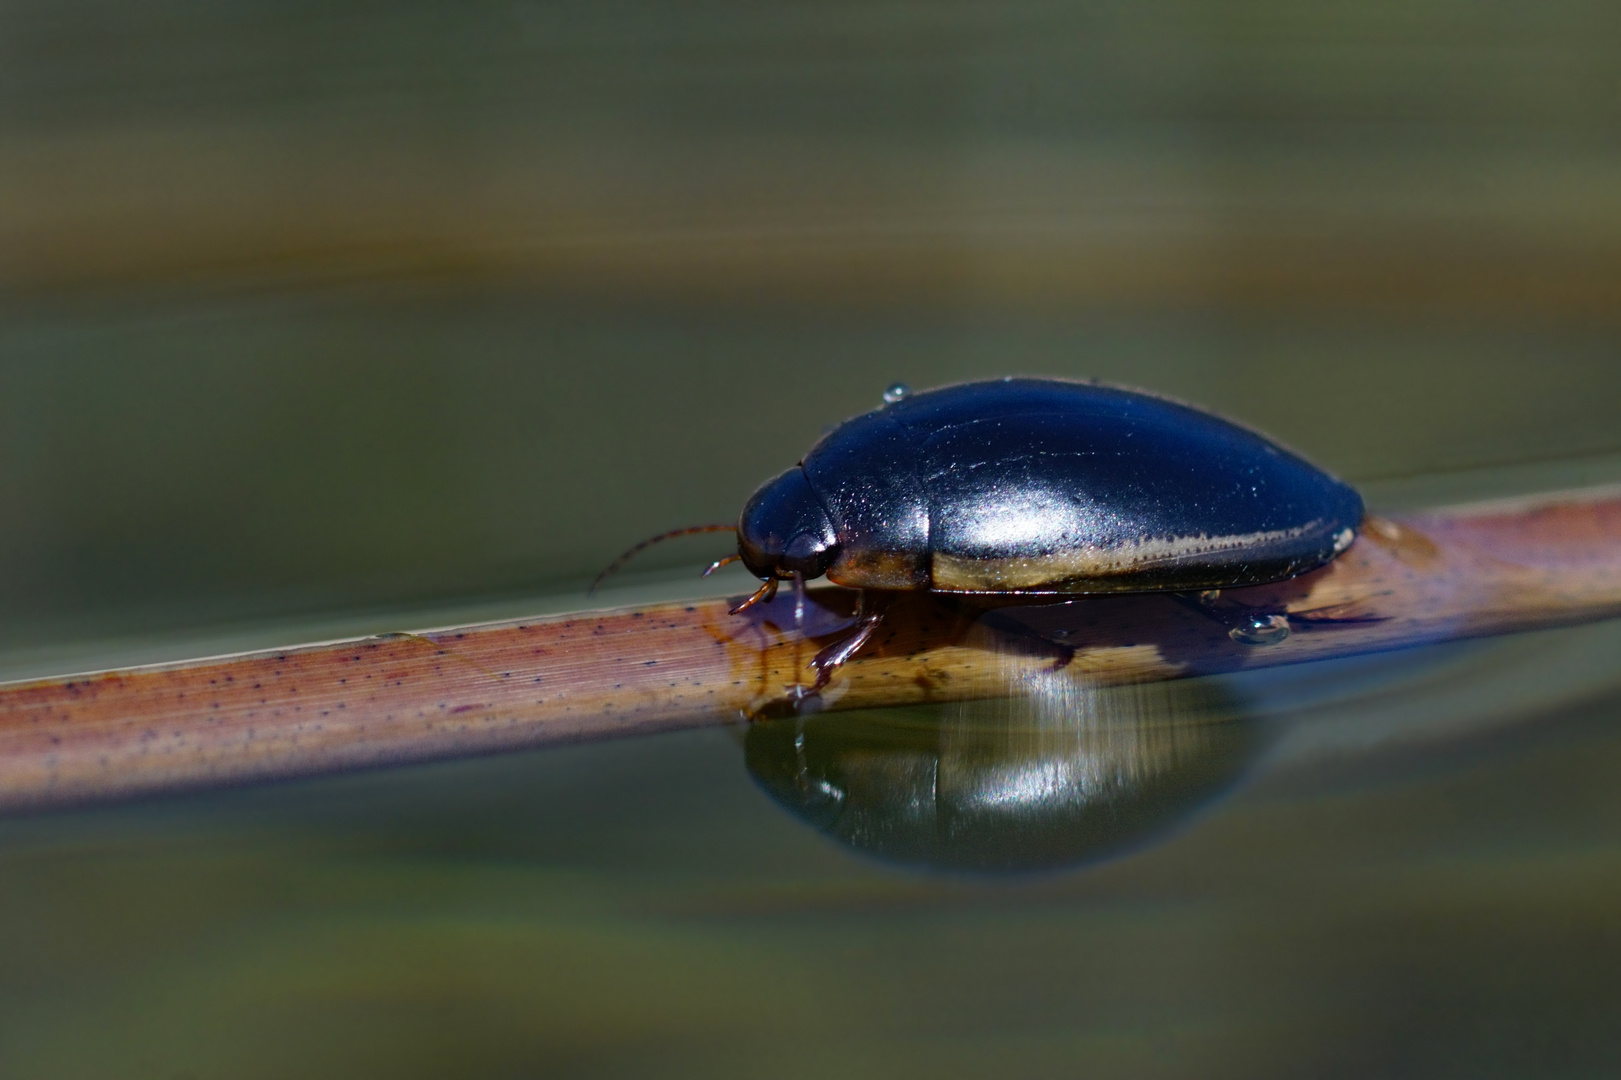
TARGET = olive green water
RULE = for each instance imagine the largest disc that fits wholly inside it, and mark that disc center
(321, 319)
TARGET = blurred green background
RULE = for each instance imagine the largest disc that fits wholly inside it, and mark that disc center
(305, 305)
(368, 314)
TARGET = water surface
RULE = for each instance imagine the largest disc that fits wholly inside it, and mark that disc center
(345, 318)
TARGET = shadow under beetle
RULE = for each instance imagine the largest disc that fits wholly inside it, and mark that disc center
(1028, 487)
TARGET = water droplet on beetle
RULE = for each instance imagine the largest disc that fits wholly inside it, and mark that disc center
(1261, 630)
(896, 392)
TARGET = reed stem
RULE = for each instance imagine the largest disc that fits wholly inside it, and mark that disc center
(1453, 573)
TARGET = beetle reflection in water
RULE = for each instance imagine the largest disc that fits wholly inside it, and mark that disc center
(1060, 775)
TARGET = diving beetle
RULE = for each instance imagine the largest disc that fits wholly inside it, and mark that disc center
(1025, 487)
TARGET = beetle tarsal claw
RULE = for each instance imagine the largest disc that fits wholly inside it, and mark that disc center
(798, 692)
(718, 563)
(1244, 624)
(1260, 628)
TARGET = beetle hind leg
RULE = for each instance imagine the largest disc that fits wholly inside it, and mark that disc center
(1244, 624)
(1267, 624)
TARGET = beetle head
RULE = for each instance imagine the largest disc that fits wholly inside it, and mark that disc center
(784, 529)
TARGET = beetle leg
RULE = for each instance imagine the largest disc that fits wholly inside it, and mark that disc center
(764, 594)
(1268, 625)
(1336, 615)
(718, 563)
(1260, 627)
(1063, 651)
(1245, 625)
(868, 616)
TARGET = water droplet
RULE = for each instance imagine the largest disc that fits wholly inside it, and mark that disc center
(895, 392)
(1261, 630)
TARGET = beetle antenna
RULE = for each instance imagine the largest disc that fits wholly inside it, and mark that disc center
(718, 563)
(619, 563)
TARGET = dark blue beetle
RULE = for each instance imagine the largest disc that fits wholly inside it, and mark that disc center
(1040, 486)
